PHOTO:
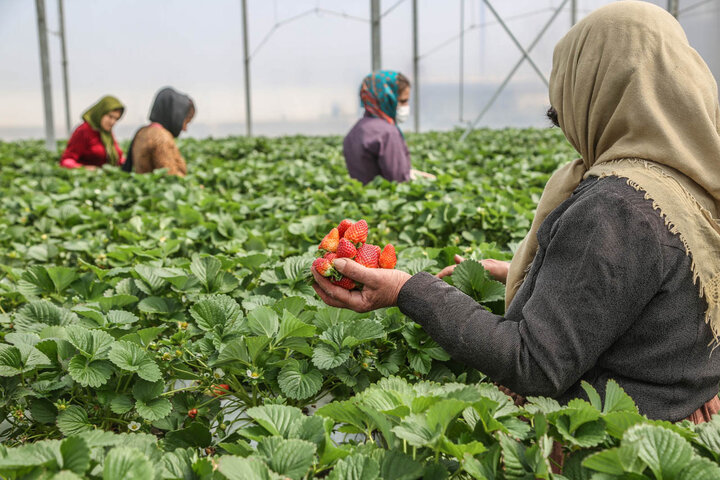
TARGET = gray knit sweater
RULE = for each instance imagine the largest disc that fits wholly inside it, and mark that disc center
(609, 294)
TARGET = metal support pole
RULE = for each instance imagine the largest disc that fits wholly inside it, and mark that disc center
(512, 72)
(45, 72)
(246, 50)
(462, 59)
(66, 85)
(573, 12)
(673, 6)
(375, 35)
(416, 59)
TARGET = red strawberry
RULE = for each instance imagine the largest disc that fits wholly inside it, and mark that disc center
(344, 225)
(330, 256)
(345, 282)
(330, 242)
(192, 413)
(219, 389)
(387, 257)
(367, 255)
(323, 266)
(346, 249)
(357, 232)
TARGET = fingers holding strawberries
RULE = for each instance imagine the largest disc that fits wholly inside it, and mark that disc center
(349, 240)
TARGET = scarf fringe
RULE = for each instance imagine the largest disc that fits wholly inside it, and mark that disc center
(710, 288)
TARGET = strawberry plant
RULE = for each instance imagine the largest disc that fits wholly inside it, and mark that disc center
(159, 327)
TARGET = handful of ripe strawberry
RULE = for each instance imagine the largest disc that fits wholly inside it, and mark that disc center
(348, 240)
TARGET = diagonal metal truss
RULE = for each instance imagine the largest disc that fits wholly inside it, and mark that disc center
(525, 56)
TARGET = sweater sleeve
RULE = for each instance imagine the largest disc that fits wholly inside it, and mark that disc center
(602, 265)
(70, 156)
(394, 158)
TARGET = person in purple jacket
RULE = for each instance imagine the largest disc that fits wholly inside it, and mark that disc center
(375, 145)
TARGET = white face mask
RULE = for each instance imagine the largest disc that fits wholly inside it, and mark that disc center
(402, 113)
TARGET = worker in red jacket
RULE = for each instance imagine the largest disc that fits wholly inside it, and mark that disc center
(92, 144)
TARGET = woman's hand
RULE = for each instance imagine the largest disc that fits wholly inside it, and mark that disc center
(380, 286)
(419, 173)
(498, 269)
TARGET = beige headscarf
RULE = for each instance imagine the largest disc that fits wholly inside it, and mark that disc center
(637, 102)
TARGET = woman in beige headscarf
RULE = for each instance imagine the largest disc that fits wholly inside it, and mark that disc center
(619, 275)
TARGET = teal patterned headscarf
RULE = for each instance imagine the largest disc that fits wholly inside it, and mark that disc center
(378, 94)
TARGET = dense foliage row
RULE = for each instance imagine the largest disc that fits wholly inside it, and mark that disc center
(162, 327)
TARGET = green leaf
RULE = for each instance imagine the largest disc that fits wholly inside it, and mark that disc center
(709, 434)
(617, 423)
(361, 331)
(215, 311)
(43, 411)
(592, 394)
(62, 277)
(473, 280)
(415, 430)
(121, 404)
(238, 468)
(65, 475)
(150, 277)
(94, 314)
(208, 272)
(38, 314)
(308, 428)
(132, 358)
(458, 450)
(624, 457)
(291, 326)
(443, 412)
(179, 463)
(107, 303)
(298, 380)
(616, 400)
(149, 403)
(276, 419)
(154, 409)
(542, 404)
(159, 305)
(399, 466)
(295, 268)
(38, 277)
(15, 338)
(606, 461)
(144, 390)
(73, 420)
(123, 463)
(327, 357)
(121, 317)
(20, 359)
(75, 455)
(263, 321)
(343, 412)
(356, 467)
(195, 435)
(291, 458)
(94, 344)
(235, 351)
(700, 469)
(89, 373)
(664, 451)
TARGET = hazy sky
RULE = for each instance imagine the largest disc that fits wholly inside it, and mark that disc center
(307, 72)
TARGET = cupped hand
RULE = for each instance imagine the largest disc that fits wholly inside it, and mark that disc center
(380, 286)
(498, 269)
